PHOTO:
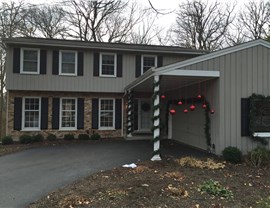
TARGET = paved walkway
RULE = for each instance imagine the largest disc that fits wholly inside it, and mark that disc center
(27, 176)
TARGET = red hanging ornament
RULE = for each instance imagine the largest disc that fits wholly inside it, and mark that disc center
(204, 105)
(199, 96)
(180, 102)
(212, 111)
(192, 107)
(163, 96)
(172, 111)
(186, 110)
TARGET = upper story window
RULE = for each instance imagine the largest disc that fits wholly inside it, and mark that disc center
(106, 113)
(30, 59)
(108, 64)
(31, 114)
(148, 62)
(68, 113)
(68, 62)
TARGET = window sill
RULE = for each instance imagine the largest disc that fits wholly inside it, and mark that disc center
(107, 76)
(261, 134)
(68, 129)
(30, 73)
(29, 129)
(69, 75)
(106, 129)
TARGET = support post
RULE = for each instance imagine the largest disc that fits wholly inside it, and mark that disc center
(156, 119)
(129, 113)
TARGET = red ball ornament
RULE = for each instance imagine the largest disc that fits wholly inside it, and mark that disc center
(163, 96)
(186, 110)
(212, 111)
(172, 111)
(180, 102)
(192, 107)
(204, 105)
(199, 96)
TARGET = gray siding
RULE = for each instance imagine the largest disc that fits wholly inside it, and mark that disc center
(86, 83)
(241, 74)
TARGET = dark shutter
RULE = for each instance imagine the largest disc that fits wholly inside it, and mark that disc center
(55, 64)
(55, 113)
(96, 64)
(43, 61)
(138, 66)
(245, 109)
(44, 113)
(80, 64)
(159, 61)
(118, 113)
(135, 114)
(80, 114)
(17, 113)
(95, 113)
(119, 65)
(16, 60)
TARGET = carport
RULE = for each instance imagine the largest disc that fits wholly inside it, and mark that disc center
(166, 86)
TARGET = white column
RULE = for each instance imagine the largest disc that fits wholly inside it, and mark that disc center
(129, 115)
(156, 115)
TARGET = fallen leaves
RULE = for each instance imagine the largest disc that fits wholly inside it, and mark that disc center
(196, 163)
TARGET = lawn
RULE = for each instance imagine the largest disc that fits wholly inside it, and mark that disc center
(168, 183)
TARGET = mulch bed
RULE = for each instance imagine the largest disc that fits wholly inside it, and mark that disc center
(163, 184)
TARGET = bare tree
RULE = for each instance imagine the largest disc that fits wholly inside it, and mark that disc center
(255, 19)
(201, 25)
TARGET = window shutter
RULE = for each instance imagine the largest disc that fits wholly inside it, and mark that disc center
(245, 109)
(159, 61)
(55, 113)
(80, 114)
(43, 61)
(118, 113)
(135, 115)
(44, 113)
(80, 64)
(119, 65)
(55, 66)
(17, 113)
(95, 113)
(96, 64)
(138, 67)
(16, 60)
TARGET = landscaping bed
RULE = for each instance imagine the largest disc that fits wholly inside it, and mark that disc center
(185, 182)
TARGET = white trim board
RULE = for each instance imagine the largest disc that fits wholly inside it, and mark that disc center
(191, 73)
(261, 134)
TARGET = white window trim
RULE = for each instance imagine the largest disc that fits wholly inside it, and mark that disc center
(154, 56)
(100, 64)
(60, 63)
(262, 134)
(22, 60)
(23, 115)
(99, 121)
(60, 115)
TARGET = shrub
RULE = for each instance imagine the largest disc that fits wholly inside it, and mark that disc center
(232, 154)
(215, 189)
(25, 139)
(95, 136)
(264, 203)
(7, 140)
(38, 138)
(51, 137)
(83, 137)
(69, 137)
(259, 157)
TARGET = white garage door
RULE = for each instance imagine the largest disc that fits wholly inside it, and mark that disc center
(188, 127)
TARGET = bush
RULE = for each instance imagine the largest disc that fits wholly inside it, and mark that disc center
(7, 140)
(95, 136)
(259, 157)
(264, 203)
(232, 154)
(38, 138)
(83, 137)
(51, 137)
(69, 137)
(25, 139)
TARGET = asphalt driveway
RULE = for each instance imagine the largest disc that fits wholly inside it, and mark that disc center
(26, 176)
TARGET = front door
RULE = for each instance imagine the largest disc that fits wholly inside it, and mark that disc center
(144, 115)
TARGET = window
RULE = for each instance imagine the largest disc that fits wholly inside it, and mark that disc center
(68, 113)
(31, 113)
(68, 62)
(106, 114)
(30, 61)
(108, 64)
(148, 62)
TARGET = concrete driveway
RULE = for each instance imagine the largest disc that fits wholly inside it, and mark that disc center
(27, 176)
